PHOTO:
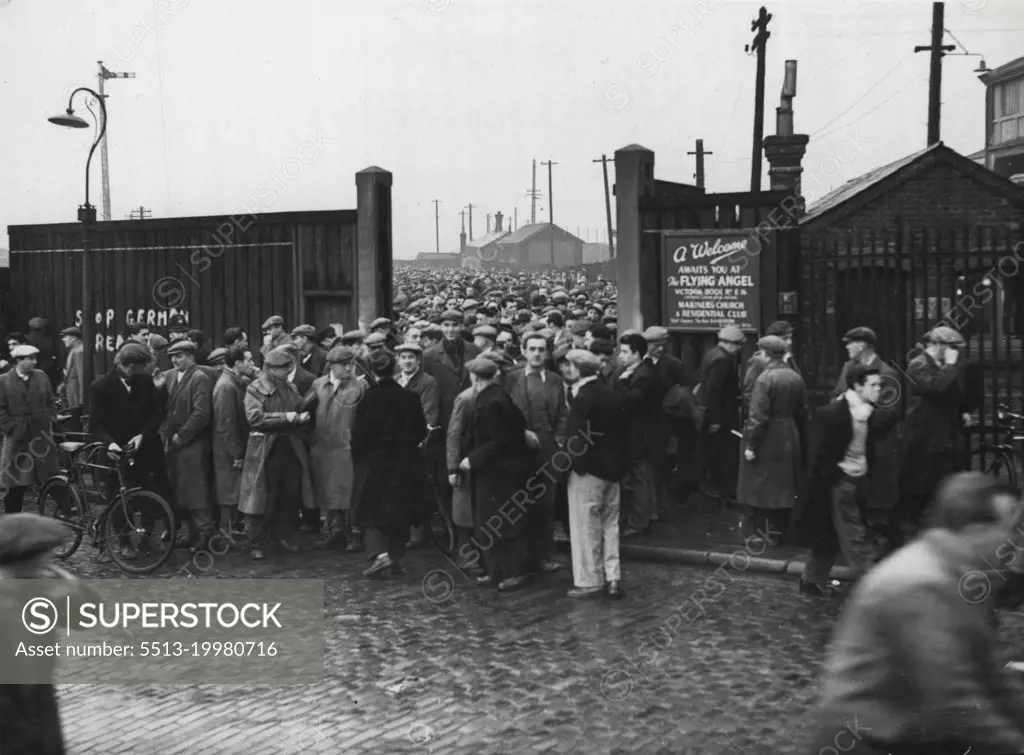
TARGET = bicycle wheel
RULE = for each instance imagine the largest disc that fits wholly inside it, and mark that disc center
(997, 464)
(442, 533)
(60, 500)
(138, 530)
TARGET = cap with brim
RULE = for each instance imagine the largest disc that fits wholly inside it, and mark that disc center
(133, 353)
(731, 334)
(24, 350)
(413, 348)
(37, 323)
(290, 347)
(72, 331)
(353, 336)
(780, 328)
(584, 359)
(867, 335)
(381, 322)
(279, 357)
(946, 336)
(452, 315)
(432, 331)
(272, 321)
(579, 327)
(486, 331)
(655, 334)
(181, 347)
(499, 358)
(157, 342)
(304, 330)
(375, 339)
(340, 355)
(470, 304)
(485, 368)
(772, 345)
(217, 356)
(629, 332)
(24, 536)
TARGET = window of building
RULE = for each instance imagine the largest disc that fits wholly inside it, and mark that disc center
(1008, 122)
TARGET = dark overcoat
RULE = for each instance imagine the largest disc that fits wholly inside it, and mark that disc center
(719, 388)
(189, 417)
(451, 380)
(811, 524)
(500, 462)
(455, 447)
(757, 364)
(230, 435)
(117, 415)
(775, 432)
(930, 435)
(388, 427)
(642, 406)
(27, 408)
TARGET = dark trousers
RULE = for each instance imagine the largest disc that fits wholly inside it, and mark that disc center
(14, 499)
(908, 513)
(283, 478)
(721, 450)
(392, 540)
(849, 534)
(540, 532)
(504, 558)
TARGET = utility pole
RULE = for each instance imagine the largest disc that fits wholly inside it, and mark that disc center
(551, 210)
(938, 51)
(515, 219)
(462, 236)
(700, 162)
(471, 206)
(437, 225)
(488, 222)
(140, 213)
(103, 75)
(607, 204)
(759, 45)
(533, 194)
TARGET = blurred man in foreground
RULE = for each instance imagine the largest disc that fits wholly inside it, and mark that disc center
(915, 666)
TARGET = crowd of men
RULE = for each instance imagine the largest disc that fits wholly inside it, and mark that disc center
(616, 431)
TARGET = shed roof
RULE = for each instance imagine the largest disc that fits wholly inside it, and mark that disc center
(483, 241)
(529, 231)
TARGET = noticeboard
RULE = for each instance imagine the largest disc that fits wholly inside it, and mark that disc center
(711, 279)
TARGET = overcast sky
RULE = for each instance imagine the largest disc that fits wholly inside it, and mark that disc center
(455, 97)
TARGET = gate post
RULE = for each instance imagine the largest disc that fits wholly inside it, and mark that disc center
(634, 182)
(373, 289)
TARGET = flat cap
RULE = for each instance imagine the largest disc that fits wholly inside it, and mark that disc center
(452, 315)
(24, 536)
(486, 331)
(24, 350)
(279, 357)
(37, 323)
(561, 352)
(304, 330)
(596, 305)
(780, 328)
(340, 355)
(353, 336)
(629, 332)
(375, 339)
(135, 353)
(181, 347)
(655, 334)
(415, 348)
(381, 322)
(470, 304)
(485, 368)
(867, 335)
(547, 333)
(156, 342)
(560, 296)
(584, 359)
(731, 334)
(72, 331)
(945, 335)
(217, 356)
(500, 358)
(272, 321)
(432, 331)
(290, 347)
(579, 327)
(772, 345)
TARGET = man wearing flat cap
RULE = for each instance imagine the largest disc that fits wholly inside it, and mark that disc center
(861, 347)
(332, 403)
(187, 435)
(382, 325)
(276, 481)
(500, 464)
(311, 357)
(411, 376)
(230, 434)
(72, 388)
(274, 334)
(930, 437)
(27, 407)
(301, 377)
(719, 393)
(484, 337)
(759, 360)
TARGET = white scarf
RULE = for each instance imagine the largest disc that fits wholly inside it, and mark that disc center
(859, 408)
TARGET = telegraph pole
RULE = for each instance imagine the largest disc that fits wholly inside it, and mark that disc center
(488, 223)
(759, 45)
(515, 219)
(533, 194)
(938, 51)
(551, 210)
(607, 204)
(471, 206)
(700, 162)
(102, 76)
(437, 225)
(140, 213)
(462, 236)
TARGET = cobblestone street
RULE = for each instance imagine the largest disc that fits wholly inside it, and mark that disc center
(428, 662)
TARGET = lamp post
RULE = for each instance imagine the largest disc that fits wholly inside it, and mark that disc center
(87, 217)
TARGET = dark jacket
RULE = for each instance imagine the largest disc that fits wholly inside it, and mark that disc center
(46, 361)
(451, 380)
(595, 435)
(118, 416)
(930, 436)
(719, 392)
(642, 405)
(314, 362)
(303, 380)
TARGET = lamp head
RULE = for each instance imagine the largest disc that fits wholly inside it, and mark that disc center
(69, 120)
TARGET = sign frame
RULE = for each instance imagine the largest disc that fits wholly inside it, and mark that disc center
(672, 240)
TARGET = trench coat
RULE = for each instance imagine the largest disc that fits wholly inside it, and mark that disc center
(72, 384)
(775, 431)
(389, 426)
(930, 435)
(462, 496)
(757, 364)
(330, 441)
(500, 461)
(884, 485)
(230, 435)
(266, 403)
(189, 416)
(26, 419)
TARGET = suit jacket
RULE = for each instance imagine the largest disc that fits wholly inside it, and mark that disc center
(451, 380)
(303, 380)
(596, 432)
(314, 362)
(556, 407)
(189, 405)
(425, 387)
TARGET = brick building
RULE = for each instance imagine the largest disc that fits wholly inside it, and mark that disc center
(1004, 118)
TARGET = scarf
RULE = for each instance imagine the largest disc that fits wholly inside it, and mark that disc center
(859, 408)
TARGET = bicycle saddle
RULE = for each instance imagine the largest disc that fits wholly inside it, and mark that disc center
(70, 446)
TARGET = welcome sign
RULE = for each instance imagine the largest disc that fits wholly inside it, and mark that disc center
(712, 279)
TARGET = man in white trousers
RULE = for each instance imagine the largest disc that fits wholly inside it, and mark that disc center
(594, 441)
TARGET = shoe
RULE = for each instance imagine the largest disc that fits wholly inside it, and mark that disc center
(380, 563)
(614, 591)
(331, 540)
(549, 567)
(355, 544)
(256, 554)
(288, 547)
(129, 554)
(511, 583)
(485, 580)
(585, 592)
(817, 589)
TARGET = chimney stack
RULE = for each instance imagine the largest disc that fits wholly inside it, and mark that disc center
(497, 222)
(785, 150)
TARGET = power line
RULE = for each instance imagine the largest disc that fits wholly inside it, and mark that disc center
(869, 112)
(864, 96)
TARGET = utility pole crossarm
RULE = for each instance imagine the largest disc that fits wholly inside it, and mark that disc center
(938, 51)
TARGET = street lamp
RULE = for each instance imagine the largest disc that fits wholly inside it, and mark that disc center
(87, 217)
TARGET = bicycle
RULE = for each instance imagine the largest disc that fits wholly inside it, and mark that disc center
(1005, 463)
(442, 528)
(133, 522)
